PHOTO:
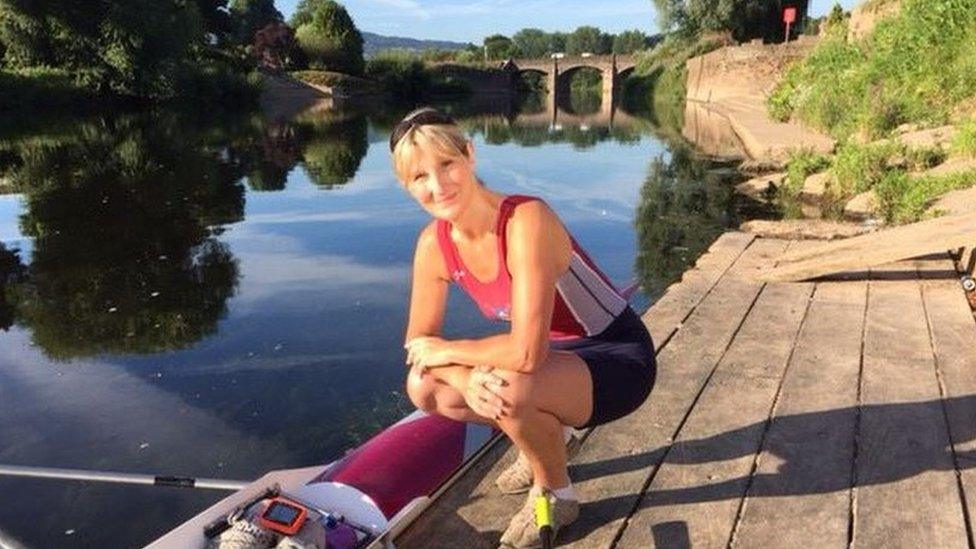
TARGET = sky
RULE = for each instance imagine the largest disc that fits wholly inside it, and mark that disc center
(473, 20)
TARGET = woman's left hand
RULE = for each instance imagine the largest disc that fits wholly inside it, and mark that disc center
(426, 352)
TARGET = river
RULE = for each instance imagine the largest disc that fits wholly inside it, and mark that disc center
(217, 295)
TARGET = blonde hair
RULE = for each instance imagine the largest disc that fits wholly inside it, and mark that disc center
(444, 139)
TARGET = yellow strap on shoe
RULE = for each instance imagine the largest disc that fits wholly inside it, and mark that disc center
(543, 519)
(543, 511)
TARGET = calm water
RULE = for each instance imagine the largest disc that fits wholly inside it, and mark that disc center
(219, 296)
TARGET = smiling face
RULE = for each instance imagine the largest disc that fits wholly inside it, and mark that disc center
(436, 166)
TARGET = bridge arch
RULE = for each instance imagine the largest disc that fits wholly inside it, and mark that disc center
(564, 83)
(559, 70)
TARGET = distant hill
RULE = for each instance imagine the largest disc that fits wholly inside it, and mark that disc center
(372, 43)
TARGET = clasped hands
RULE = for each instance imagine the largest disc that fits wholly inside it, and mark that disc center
(483, 391)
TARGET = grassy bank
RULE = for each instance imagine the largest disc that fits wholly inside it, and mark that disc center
(919, 68)
(657, 85)
(916, 67)
(45, 88)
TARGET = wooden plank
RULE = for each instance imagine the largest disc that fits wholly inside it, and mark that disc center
(473, 514)
(801, 489)
(953, 341)
(706, 472)
(860, 252)
(905, 491)
(619, 458)
(667, 314)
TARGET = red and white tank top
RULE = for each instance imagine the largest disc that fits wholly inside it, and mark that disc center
(586, 301)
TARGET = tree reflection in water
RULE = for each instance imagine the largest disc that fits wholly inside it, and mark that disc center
(124, 216)
(11, 272)
(333, 146)
(686, 202)
(123, 219)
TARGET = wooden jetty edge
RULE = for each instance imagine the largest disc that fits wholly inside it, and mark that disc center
(835, 413)
(869, 250)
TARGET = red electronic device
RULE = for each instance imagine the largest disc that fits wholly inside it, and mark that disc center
(283, 516)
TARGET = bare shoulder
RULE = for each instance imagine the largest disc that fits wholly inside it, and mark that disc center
(428, 253)
(535, 229)
(427, 239)
(535, 213)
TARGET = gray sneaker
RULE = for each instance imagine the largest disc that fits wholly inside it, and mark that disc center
(517, 478)
(523, 533)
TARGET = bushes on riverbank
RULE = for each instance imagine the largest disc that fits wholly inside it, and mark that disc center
(660, 76)
(917, 67)
(41, 86)
(405, 76)
(871, 86)
(893, 172)
(128, 50)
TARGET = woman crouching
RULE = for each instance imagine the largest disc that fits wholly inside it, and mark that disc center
(575, 354)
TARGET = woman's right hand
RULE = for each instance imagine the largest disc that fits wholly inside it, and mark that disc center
(483, 393)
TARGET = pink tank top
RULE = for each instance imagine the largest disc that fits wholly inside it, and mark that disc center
(586, 301)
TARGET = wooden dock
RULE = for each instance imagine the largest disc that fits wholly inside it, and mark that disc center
(833, 413)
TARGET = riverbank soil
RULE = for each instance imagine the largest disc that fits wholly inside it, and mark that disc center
(783, 412)
(283, 97)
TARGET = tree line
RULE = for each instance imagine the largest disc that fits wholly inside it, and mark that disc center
(743, 19)
(533, 42)
(161, 49)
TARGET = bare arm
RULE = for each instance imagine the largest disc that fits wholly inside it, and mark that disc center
(428, 294)
(539, 251)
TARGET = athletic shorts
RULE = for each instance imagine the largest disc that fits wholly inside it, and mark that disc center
(621, 363)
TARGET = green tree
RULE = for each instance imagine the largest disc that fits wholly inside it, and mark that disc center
(250, 16)
(744, 19)
(499, 46)
(531, 42)
(630, 41)
(131, 47)
(216, 19)
(328, 36)
(671, 14)
(586, 39)
(275, 47)
(557, 42)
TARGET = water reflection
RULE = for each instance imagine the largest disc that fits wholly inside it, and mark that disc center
(126, 256)
(686, 202)
(123, 220)
(249, 279)
(11, 272)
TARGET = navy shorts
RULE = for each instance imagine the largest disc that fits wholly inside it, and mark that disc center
(622, 366)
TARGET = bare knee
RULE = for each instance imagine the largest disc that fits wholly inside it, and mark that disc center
(421, 391)
(519, 393)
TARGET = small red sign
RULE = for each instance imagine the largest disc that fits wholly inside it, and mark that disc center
(789, 15)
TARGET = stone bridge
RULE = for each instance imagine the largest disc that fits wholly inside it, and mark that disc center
(559, 72)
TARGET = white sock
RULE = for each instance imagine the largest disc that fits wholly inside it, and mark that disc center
(565, 493)
(567, 433)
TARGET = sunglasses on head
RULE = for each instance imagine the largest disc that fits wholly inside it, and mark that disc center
(422, 117)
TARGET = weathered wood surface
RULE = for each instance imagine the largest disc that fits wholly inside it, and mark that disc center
(682, 297)
(865, 251)
(801, 488)
(830, 413)
(905, 489)
(953, 331)
(619, 458)
(707, 470)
